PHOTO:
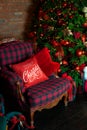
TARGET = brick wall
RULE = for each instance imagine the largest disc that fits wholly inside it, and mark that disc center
(15, 17)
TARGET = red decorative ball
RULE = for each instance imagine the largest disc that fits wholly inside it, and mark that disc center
(71, 16)
(40, 15)
(77, 68)
(85, 24)
(54, 43)
(62, 42)
(46, 17)
(64, 62)
(64, 4)
(59, 70)
(65, 42)
(41, 34)
(31, 34)
(59, 12)
(83, 38)
(79, 52)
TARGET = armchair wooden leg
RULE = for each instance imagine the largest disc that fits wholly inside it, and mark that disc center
(66, 99)
(32, 120)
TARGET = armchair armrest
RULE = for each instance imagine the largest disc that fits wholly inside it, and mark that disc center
(11, 82)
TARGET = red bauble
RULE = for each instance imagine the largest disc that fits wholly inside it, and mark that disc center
(71, 16)
(79, 52)
(41, 34)
(83, 38)
(46, 17)
(40, 15)
(64, 4)
(61, 22)
(59, 12)
(54, 43)
(85, 24)
(59, 70)
(62, 42)
(81, 67)
(64, 62)
(31, 34)
(65, 42)
(77, 68)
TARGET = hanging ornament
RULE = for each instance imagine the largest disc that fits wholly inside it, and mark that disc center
(64, 4)
(71, 16)
(83, 52)
(61, 22)
(54, 43)
(64, 42)
(31, 34)
(85, 24)
(41, 35)
(40, 14)
(81, 67)
(59, 70)
(83, 38)
(77, 68)
(79, 52)
(67, 42)
(46, 17)
(59, 12)
(64, 62)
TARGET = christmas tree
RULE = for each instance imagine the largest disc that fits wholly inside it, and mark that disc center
(61, 26)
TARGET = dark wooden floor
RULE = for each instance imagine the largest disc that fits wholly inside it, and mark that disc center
(72, 117)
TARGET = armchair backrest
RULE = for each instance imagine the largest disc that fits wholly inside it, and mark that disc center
(14, 52)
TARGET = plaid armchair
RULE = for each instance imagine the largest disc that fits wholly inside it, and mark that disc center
(42, 95)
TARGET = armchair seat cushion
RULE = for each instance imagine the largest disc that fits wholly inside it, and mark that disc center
(47, 91)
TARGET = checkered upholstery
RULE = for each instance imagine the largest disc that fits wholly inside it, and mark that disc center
(11, 78)
(47, 91)
(14, 51)
(39, 94)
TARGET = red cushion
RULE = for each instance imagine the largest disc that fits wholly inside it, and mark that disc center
(43, 56)
(30, 72)
(50, 68)
(45, 62)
